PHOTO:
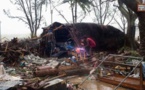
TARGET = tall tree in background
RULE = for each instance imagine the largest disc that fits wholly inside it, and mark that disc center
(84, 5)
(132, 4)
(32, 13)
(130, 17)
(103, 11)
(122, 23)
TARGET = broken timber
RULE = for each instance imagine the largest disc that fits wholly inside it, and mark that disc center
(125, 81)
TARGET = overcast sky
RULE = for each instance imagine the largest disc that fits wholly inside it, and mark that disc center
(13, 27)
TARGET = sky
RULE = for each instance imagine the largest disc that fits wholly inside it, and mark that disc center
(14, 28)
(10, 27)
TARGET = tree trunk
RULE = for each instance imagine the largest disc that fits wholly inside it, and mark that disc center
(76, 11)
(72, 11)
(33, 34)
(131, 34)
(132, 4)
(142, 32)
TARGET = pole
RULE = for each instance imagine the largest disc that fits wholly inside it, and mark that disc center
(51, 11)
(0, 31)
(143, 1)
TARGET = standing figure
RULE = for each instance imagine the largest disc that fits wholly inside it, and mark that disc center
(89, 44)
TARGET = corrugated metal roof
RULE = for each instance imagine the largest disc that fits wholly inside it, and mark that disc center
(4, 85)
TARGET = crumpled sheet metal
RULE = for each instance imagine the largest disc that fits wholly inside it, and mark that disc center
(35, 59)
(4, 85)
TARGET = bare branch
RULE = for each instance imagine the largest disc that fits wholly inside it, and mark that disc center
(102, 11)
(40, 17)
(112, 17)
(118, 23)
(60, 13)
(105, 12)
(82, 16)
(32, 10)
(23, 19)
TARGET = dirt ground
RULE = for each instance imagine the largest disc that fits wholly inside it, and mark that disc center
(93, 84)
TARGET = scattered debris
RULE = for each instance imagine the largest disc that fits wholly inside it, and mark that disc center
(40, 65)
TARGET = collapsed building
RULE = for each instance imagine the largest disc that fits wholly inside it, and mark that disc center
(23, 59)
(107, 37)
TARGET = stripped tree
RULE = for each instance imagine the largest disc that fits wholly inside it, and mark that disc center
(32, 13)
(132, 4)
(103, 12)
(84, 5)
(121, 21)
(130, 17)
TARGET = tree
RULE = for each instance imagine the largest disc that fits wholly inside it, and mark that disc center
(103, 11)
(84, 5)
(132, 4)
(122, 23)
(130, 17)
(32, 13)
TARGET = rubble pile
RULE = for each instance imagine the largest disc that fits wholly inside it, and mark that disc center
(22, 59)
(13, 51)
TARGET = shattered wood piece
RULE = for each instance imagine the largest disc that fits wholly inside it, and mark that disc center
(1, 58)
(43, 68)
(127, 52)
(47, 72)
(118, 59)
(6, 47)
(77, 71)
(39, 85)
(45, 82)
(111, 58)
(63, 68)
(57, 84)
(70, 77)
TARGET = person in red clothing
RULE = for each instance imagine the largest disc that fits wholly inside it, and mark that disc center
(89, 44)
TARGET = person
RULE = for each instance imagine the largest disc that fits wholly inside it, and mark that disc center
(89, 44)
(81, 52)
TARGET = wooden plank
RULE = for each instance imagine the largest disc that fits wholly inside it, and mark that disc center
(115, 63)
(132, 83)
(141, 77)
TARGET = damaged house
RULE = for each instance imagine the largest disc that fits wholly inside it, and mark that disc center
(106, 37)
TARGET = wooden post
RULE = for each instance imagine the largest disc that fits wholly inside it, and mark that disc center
(141, 77)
